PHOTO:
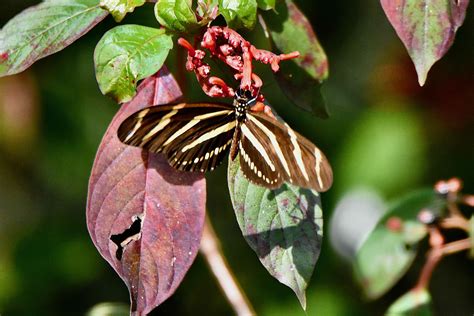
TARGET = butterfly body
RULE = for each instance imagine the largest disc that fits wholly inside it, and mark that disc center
(198, 136)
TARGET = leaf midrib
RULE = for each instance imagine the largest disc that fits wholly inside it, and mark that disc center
(34, 38)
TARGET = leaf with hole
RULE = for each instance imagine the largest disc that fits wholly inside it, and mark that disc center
(127, 54)
(43, 30)
(145, 217)
(390, 248)
(426, 28)
(300, 78)
(283, 226)
(120, 8)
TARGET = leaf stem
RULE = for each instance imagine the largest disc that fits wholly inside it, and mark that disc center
(436, 254)
(212, 252)
(456, 246)
(455, 221)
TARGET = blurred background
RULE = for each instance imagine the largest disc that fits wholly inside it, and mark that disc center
(385, 137)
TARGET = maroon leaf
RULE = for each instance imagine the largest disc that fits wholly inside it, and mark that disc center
(426, 28)
(145, 217)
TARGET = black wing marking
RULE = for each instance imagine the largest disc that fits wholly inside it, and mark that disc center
(297, 160)
(193, 136)
(256, 157)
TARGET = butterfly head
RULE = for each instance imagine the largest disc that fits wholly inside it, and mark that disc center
(243, 100)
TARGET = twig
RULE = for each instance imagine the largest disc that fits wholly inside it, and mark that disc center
(435, 255)
(455, 221)
(456, 246)
(212, 252)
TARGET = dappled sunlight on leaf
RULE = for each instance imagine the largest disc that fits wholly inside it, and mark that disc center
(283, 226)
(127, 54)
(145, 217)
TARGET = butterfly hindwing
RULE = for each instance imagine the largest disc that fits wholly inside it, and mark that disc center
(257, 157)
(297, 159)
(183, 132)
(197, 137)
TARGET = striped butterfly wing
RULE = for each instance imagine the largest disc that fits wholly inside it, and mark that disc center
(192, 136)
(282, 155)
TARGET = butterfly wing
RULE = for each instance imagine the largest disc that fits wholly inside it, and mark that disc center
(192, 136)
(257, 157)
(286, 155)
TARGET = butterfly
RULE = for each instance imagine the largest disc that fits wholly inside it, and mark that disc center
(198, 136)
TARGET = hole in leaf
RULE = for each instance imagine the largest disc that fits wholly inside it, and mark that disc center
(130, 234)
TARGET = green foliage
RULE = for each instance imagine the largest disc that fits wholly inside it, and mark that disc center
(283, 226)
(266, 4)
(390, 248)
(291, 31)
(413, 303)
(109, 309)
(127, 54)
(239, 13)
(177, 15)
(386, 150)
(43, 30)
(388, 161)
(120, 8)
(300, 78)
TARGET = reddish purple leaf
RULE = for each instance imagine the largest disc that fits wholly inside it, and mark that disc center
(426, 28)
(145, 217)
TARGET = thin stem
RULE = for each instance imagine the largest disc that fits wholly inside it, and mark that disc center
(452, 204)
(436, 254)
(455, 221)
(212, 252)
(456, 246)
(434, 257)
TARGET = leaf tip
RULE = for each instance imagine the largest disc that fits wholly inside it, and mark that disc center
(422, 78)
(422, 70)
(302, 298)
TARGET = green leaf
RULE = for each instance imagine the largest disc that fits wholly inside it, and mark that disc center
(373, 159)
(283, 226)
(413, 303)
(389, 250)
(266, 4)
(127, 54)
(176, 15)
(239, 13)
(43, 30)
(300, 78)
(120, 8)
(109, 309)
(426, 28)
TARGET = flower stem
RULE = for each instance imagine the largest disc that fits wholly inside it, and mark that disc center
(216, 261)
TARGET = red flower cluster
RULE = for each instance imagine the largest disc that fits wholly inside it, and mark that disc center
(230, 47)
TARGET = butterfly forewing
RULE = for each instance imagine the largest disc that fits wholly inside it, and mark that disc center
(197, 137)
(257, 157)
(296, 159)
(193, 136)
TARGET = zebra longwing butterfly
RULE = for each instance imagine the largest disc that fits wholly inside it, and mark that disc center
(197, 137)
